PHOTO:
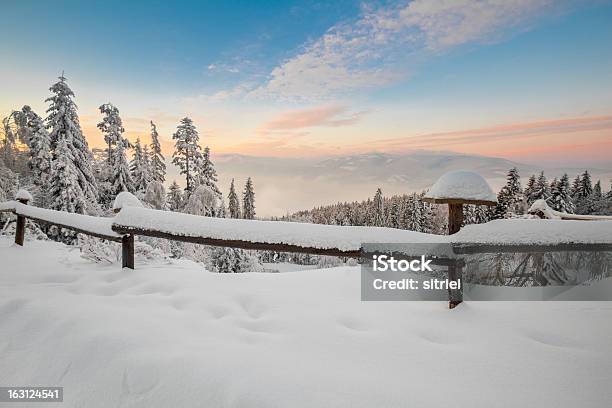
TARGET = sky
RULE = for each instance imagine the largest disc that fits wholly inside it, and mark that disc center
(526, 80)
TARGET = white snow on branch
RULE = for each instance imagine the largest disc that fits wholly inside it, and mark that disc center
(8, 206)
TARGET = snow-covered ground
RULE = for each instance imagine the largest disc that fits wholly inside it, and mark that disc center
(173, 335)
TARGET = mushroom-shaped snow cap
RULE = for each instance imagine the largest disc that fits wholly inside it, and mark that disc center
(125, 199)
(23, 195)
(461, 186)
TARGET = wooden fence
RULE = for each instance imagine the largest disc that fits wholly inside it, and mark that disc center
(118, 232)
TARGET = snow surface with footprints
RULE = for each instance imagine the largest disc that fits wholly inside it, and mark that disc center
(173, 334)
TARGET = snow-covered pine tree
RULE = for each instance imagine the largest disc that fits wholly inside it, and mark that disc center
(575, 187)
(394, 212)
(63, 123)
(206, 173)
(137, 169)
(415, 219)
(234, 203)
(510, 197)
(202, 201)
(146, 164)
(187, 151)
(379, 210)
(155, 195)
(529, 190)
(158, 165)
(64, 188)
(561, 199)
(112, 128)
(248, 201)
(175, 197)
(121, 179)
(542, 189)
(40, 153)
(583, 197)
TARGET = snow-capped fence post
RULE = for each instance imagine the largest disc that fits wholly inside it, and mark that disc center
(455, 189)
(23, 197)
(126, 199)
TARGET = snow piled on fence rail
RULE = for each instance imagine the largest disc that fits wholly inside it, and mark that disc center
(174, 335)
(306, 235)
(96, 225)
(535, 232)
(8, 206)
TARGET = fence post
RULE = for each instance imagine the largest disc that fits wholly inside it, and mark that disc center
(455, 296)
(20, 229)
(127, 251)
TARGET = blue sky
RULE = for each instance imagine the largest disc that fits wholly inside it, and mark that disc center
(313, 78)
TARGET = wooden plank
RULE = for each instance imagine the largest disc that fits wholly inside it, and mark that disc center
(77, 230)
(527, 248)
(458, 201)
(262, 246)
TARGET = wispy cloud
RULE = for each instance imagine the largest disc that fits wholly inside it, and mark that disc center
(517, 131)
(379, 47)
(321, 116)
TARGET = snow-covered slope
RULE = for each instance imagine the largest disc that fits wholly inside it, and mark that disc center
(174, 335)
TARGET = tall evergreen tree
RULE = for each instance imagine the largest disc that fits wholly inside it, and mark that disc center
(63, 123)
(575, 187)
(64, 188)
(112, 128)
(121, 179)
(379, 210)
(175, 197)
(530, 189)
(510, 197)
(40, 147)
(138, 169)
(248, 201)
(561, 199)
(187, 151)
(542, 189)
(158, 165)
(206, 173)
(234, 203)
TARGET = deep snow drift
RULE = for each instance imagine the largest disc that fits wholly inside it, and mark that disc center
(174, 335)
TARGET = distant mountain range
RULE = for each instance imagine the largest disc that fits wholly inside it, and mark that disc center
(289, 184)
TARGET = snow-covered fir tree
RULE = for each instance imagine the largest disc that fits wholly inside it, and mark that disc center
(530, 189)
(175, 197)
(139, 169)
(206, 173)
(64, 187)
(63, 124)
(121, 178)
(187, 153)
(560, 199)
(510, 197)
(111, 127)
(542, 189)
(40, 154)
(379, 209)
(583, 194)
(155, 195)
(202, 201)
(234, 203)
(248, 201)
(158, 165)
(475, 214)
(394, 212)
(575, 187)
